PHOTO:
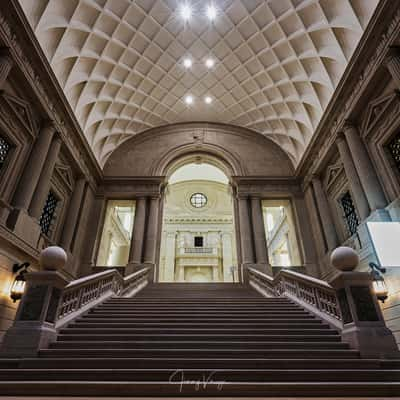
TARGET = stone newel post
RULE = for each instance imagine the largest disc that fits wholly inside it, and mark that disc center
(363, 325)
(34, 325)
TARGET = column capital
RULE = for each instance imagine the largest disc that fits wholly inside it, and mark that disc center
(5, 53)
(348, 126)
(392, 54)
(255, 197)
(340, 137)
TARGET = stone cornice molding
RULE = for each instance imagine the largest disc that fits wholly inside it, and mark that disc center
(351, 87)
(17, 35)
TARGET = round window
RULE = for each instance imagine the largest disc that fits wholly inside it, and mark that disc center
(198, 200)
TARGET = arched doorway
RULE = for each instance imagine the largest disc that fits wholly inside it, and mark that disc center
(198, 231)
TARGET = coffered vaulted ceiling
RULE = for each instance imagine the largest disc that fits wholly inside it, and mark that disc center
(120, 63)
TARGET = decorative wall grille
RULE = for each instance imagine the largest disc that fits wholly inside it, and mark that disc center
(394, 149)
(5, 148)
(350, 213)
(48, 213)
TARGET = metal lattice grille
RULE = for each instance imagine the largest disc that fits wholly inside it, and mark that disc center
(394, 149)
(48, 213)
(350, 214)
(5, 148)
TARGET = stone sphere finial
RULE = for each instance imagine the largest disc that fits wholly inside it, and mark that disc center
(53, 258)
(344, 258)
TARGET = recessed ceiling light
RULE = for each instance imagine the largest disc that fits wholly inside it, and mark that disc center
(186, 12)
(211, 12)
(187, 63)
(210, 63)
(189, 99)
(208, 100)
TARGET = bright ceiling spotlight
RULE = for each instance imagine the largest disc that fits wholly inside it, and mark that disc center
(189, 99)
(187, 63)
(208, 100)
(211, 12)
(186, 12)
(210, 63)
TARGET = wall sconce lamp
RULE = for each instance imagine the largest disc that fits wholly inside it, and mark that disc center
(378, 283)
(18, 286)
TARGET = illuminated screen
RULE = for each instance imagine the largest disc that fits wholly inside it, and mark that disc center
(385, 237)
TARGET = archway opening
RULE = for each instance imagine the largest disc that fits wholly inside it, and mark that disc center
(198, 233)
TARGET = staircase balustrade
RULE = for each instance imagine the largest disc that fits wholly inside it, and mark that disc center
(84, 293)
(313, 294)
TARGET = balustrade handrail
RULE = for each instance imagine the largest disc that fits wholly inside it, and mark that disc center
(84, 293)
(315, 295)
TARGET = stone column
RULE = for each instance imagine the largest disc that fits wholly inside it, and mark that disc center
(365, 169)
(227, 256)
(72, 215)
(354, 181)
(33, 168)
(260, 242)
(325, 214)
(169, 271)
(43, 186)
(139, 224)
(6, 63)
(393, 64)
(152, 232)
(246, 237)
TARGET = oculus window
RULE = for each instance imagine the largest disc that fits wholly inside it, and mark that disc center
(117, 233)
(198, 200)
(280, 231)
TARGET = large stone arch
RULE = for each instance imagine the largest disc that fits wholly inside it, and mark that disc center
(241, 151)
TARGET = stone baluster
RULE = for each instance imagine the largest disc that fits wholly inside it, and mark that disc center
(365, 169)
(352, 176)
(43, 186)
(328, 226)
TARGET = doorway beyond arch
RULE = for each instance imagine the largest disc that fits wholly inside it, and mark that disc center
(198, 241)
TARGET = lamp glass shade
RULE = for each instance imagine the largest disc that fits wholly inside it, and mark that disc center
(17, 289)
(380, 289)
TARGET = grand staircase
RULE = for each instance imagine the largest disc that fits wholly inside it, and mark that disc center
(199, 340)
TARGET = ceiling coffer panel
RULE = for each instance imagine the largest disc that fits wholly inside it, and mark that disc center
(121, 63)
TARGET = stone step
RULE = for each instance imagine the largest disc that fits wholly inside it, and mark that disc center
(196, 320)
(200, 353)
(205, 324)
(198, 337)
(197, 363)
(209, 331)
(196, 389)
(228, 375)
(206, 344)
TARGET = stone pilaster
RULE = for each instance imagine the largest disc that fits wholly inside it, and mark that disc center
(351, 173)
(33, 168)
(365, 169)
(72, 215)
(246, 236)
(328, 226)
(6, 63)
(136, 249)
(150, 249)
(43, 186)
(260, 242)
